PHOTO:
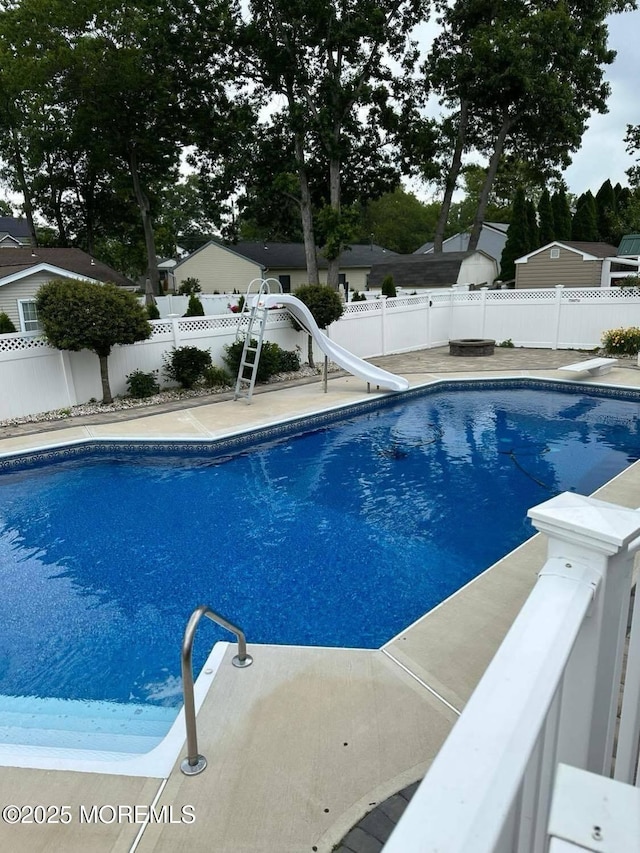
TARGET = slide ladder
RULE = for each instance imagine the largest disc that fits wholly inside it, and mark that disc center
(251, 325)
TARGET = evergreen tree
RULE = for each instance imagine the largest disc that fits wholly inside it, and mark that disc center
(606, 214)
(561, 215)
(518, 240)
(532, 226)
(546, 233)
(584, 225)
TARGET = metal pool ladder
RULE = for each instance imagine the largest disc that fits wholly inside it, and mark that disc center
(251, 325)
(195, 763)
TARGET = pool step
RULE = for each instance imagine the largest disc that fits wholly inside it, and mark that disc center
(83, 725)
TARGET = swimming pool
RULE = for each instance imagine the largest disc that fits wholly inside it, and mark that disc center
(331, 532)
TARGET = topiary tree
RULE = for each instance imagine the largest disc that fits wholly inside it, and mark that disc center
(77, 315)
(153, 312)
(195, 307)
(6, 324)
(325, 305)
(388, 288)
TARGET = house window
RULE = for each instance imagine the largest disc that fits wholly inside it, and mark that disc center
(29, 321)
(555, 252)
(285, 281)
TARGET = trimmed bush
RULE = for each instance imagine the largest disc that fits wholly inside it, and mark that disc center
(622, 341)
(273, 359)
(216, 377)
(195, 308)
(6, 325)
(387, 287)
(153, 312)
(142, 385)
(186, 365)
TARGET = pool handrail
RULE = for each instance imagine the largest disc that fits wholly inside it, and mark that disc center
(195, 763)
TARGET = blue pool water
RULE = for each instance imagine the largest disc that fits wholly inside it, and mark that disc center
(341, 536)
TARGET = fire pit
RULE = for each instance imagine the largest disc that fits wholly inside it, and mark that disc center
(471, 346)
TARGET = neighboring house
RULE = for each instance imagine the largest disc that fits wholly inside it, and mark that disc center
(568, 262)
(23, 271)
(441, 270)
(492, 238)
(13, 233)
(229, 268)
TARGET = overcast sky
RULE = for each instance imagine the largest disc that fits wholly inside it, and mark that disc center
(602, 154)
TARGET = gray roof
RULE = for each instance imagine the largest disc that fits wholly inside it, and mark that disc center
(13, 226)
(74, 260)
(291, 255)
(599, 250)
(439, 270)
(493, 236)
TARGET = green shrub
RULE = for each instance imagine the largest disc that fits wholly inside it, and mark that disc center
(507, 344)
(153, 312)
(216, 377)
(387, 287)
(6, 326)
(273, 359)
(186, 365)
(195, 308)
(142, 385)
(358, 297)
(189, 286)
(622, 341)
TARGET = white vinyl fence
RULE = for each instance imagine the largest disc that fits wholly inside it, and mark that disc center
(36, 378)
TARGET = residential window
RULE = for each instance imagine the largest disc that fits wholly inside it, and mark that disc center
(29, 321)
(285, 281)
(555, 252)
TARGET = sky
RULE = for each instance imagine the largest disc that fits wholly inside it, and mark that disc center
(602, 154)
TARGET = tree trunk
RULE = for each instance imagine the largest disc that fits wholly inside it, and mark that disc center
(312, 363)
(104, 377)
(333, 271)
(306, 213)
(452, 177)
(24, 188)
(507, 124)
(153, 287)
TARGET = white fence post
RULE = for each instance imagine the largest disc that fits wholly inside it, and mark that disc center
(67, 376)
(383, 325)
(556, 336)
(483, 296)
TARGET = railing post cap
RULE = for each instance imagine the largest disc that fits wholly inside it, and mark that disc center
(594, 524)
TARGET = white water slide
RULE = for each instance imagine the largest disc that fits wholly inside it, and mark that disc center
(345, 359)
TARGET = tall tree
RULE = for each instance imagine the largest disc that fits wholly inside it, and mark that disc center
(561, 215)
(533, 236)
(512, 62)
(545, 218)
(606, 214)
(584, 225)
(333, 66)
(518, 237)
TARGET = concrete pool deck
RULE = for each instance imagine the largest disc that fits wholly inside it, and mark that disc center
(306, 741)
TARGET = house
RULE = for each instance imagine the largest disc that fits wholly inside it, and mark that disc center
(568, 262)
(228, 268)
(441, 270)
(13, 232)
(23, 271)
(493, 237)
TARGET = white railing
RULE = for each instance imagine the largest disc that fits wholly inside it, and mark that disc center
(35, 378)
(549, 697)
